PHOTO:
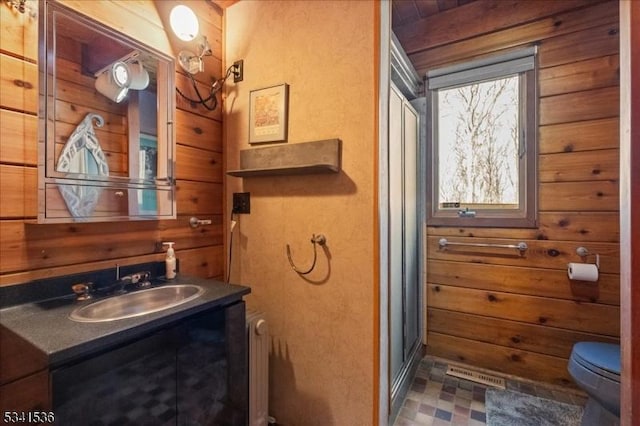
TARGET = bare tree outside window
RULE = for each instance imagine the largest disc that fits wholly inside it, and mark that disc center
(482, 142)
(478, 143)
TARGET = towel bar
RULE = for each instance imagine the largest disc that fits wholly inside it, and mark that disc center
(521, 246)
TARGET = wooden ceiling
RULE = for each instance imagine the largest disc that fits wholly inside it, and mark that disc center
(407, 11)
(223, 4)
(403, 11)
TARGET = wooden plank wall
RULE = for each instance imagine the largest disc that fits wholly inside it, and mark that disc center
(30, 251)
(76, 97)
(521, 315)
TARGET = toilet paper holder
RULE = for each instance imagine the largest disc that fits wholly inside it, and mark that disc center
(584, 252)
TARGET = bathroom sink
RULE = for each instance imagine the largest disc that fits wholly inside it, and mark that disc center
(135, 304)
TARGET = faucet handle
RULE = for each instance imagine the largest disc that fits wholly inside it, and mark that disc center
(145, 279)
(142, 279)
(134, 278)
(82, 290)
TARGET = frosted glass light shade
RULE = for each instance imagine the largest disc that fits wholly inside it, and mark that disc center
(184, 22)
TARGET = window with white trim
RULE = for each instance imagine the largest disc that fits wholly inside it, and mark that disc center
(482, 137)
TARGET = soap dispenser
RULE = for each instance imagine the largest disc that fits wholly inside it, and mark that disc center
(170, 261)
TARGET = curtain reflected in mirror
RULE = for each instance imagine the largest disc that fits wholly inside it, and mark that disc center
(82, 155)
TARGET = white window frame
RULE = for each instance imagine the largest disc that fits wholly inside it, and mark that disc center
(523, 63)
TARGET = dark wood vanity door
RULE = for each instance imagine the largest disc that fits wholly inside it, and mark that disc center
(131, 385)
(18, 358)
(24, 378)
(28, 394)
(191, 374)
(212, 369)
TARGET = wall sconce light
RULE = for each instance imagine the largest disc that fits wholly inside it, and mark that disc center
(192, 63)
(114, 82)
(184, 24)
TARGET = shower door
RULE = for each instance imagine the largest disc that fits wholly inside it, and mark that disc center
(404, 237)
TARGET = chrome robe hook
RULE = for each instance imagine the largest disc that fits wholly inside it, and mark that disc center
(315, 240)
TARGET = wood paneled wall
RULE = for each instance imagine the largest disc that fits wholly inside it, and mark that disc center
(30, 251)
(76, 97)
(521, 314)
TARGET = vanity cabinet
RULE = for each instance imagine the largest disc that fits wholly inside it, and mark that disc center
(192, 373)
(184, 365)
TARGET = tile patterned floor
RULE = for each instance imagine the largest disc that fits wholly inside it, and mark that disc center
(435, 399)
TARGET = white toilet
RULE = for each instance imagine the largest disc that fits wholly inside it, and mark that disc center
(595, 367)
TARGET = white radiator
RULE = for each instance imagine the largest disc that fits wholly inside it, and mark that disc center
(258, 346)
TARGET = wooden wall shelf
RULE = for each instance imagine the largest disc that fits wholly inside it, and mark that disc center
(292, 159)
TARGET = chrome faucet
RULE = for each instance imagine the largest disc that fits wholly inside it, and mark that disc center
(140, 279)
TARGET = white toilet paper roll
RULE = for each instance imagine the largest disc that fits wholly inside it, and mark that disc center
(582, 271)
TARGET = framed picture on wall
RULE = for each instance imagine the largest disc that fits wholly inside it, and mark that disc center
(268, 110)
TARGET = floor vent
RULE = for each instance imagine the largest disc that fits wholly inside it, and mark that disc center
(476, 376)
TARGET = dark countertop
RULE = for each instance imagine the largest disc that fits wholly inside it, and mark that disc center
(46, 324)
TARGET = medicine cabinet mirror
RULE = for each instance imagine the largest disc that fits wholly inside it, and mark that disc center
(106, 139)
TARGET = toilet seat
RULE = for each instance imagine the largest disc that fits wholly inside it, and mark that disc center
(600, 358)
(595, 367)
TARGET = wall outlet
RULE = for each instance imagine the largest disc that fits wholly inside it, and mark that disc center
(238, 72)
(241, 202)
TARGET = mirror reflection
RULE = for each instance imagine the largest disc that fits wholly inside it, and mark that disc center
(108, 103)
(82, 155)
